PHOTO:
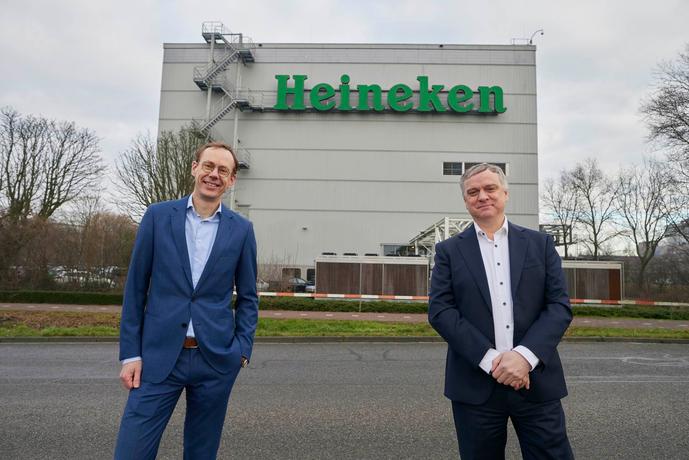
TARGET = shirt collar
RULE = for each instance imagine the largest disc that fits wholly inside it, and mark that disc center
(503, 229)
(190, 205)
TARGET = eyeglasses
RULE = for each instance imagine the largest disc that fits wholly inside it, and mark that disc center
(209, 167)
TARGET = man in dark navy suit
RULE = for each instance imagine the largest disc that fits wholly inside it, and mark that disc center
(179, 330)
(499, 299)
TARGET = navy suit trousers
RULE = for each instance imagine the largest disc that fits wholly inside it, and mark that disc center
(540, 426)
(150, 406)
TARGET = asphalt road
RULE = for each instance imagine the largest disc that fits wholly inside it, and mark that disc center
(342, 401)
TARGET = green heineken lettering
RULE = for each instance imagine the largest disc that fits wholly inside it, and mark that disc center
(283, 91)
(455, 102)
(394, 98)
(399, 98)
(320, 93)
(344, 93)
(363, 97)
(427, 98)
(484, 95)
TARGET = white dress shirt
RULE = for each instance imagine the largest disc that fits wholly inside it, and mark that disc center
(496, 261)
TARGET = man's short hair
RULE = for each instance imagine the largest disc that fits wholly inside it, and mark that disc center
(479, 168)
(218, 145)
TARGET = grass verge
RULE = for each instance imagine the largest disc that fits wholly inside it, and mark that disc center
(617, 332)
(73, 324)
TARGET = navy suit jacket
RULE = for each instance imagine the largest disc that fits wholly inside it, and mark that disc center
(460, 311)
(159, 297)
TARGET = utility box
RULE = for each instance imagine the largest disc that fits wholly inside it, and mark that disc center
(369, 275)
(594, 279)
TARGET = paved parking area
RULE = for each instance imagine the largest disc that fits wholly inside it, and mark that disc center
(342, 401)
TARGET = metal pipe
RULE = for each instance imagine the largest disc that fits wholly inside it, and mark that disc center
(235, 147)
(208, 83)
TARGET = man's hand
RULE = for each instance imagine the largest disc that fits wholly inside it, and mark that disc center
(511, 368)
(130, 375)
(519, 384)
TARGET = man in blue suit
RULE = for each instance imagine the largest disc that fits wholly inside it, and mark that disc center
(178, 330)
(498, 297)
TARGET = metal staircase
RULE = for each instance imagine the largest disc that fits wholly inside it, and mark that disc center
(425, 241)
(211, 77)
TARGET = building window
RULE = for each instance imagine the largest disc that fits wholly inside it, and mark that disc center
(502, 166)
(452, 168)
(399, 249)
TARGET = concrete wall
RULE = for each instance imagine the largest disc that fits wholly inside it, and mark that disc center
(347, 182)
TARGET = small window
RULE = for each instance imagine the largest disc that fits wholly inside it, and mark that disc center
(502, 166)
(452, 168)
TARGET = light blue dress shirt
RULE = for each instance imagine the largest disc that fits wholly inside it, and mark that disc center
(200, 234)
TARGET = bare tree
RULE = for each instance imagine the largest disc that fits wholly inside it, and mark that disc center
(678, 202)
(645, 212)
(596, 195)
(561, 202)
(666, 111)
(45, 164)
(151, 171)
(23, 143)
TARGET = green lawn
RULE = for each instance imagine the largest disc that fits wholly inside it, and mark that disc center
(73, 324)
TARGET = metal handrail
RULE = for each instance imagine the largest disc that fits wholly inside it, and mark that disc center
(214, 27)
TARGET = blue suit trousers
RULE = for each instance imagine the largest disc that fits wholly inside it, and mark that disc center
(150, 406)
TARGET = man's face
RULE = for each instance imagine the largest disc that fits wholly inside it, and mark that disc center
(484, 197)
(211, 177)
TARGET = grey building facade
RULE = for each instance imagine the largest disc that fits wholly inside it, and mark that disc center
(350, 181)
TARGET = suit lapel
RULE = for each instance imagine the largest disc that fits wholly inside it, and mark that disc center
(178, 220)
(468, 245)
(221, 238)
(518, 246)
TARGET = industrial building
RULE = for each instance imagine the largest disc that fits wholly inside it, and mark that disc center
(356, 148)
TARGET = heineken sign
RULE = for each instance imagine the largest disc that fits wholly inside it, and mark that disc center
(293, 95)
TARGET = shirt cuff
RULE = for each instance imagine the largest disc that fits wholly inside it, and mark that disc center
(131, 360)
(528, 355)
(487, 362)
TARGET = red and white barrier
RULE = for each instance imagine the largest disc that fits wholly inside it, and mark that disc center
(627, 302)
(423, 298)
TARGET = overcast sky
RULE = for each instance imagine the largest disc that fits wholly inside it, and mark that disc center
(99, 63)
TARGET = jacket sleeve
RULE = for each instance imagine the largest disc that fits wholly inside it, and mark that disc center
(545, 333)
(136, 289)
(246, 303)
(444, 316)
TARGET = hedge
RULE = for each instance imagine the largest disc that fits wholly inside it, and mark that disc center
(61, 297)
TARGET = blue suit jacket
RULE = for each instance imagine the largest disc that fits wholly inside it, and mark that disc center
(460, 310)
(159, 298)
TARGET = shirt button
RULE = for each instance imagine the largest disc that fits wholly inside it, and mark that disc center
(496, 245)
(501, 283)
(498, 263)
(505, 303)
(508, 326)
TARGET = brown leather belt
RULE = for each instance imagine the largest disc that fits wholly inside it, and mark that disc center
(190, 342)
